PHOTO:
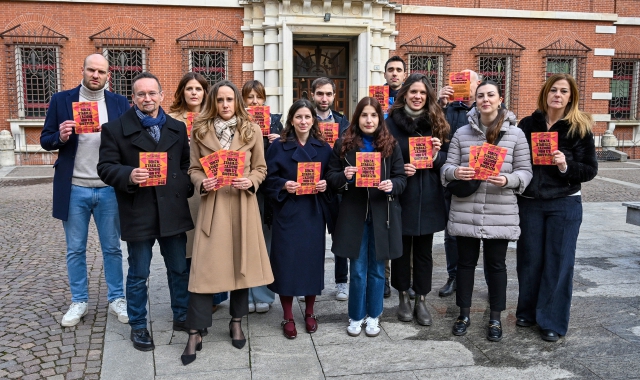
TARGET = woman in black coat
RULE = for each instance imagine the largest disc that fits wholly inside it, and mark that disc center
(416, 113)
(299, 221)
(551, 209)
(369, 227)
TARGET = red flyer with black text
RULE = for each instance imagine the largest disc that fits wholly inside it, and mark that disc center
(231, 166)
(191, 116)
(156, 163)
(461, 84)
(474, 152)
(543, 144)
(261, 115)
(329, 132)
(420, 152)
(381, 93)
(369, 165)
(85, 114)
(210, 164)
(308, 177)
(490, 160)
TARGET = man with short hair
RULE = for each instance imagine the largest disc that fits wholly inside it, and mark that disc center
(150, 213)
(78, 191)
(323, 92)
(456, 115)
(395, 72)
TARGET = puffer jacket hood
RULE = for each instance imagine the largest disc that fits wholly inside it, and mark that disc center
(492, 211)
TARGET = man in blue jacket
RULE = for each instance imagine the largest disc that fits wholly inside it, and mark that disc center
(78, 191)
(323, 93)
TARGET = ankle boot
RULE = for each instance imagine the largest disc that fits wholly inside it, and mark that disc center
(421, 312)
(404, 308)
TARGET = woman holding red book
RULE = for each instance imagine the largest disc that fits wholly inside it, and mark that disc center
(369, 226)
(490, 213)
(299, 220)
(229, 253)
(551, 208)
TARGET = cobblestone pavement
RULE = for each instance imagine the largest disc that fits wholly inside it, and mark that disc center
(34, 290)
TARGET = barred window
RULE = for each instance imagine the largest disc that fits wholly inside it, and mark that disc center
(212, 64)
(562, 65)
(429, 65)
(624, 89)
(37, 78)
(125, 63)
(499, 70)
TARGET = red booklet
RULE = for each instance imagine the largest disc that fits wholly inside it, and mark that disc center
(369, 165)
(490, 160)
(308, 176)
(474, 152)
(231, 166)
(543, 144)
(156, 163)
(461, 83)
(85, 114)
(329, 132)
(261, 115)
(191, 116)
(381, 93)
(420, 152)
(210, 164)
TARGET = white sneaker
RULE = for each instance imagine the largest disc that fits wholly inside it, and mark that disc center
(301, 298)
(373, 327)
(77, 310)
(119, 308)
(252, 307)
(342, 293)
(262, 307)
(355, 327)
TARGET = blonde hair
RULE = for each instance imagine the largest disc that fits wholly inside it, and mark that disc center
(204, 123)
(580, 122)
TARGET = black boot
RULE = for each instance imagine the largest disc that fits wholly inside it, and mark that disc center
(448, 288)
(421, 312)
(404, 308)
(387, 288)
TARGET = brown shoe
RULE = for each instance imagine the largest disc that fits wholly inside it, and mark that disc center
(311, 323)
(423, 317)
(289, 328)
(404, 308)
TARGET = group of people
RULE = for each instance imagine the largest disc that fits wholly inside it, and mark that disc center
(257, 236)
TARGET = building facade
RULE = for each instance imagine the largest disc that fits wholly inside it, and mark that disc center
(287, 43)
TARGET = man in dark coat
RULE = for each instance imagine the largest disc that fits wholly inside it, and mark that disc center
(324, 92)
(456, 115)
(78, 191)
(150, 213)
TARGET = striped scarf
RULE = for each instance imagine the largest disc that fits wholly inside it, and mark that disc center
(225, 130)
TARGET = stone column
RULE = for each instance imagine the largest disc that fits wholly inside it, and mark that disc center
(258, 53)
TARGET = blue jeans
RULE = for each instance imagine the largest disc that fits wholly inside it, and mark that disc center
(366, 289)
(174, 251)
(101, 202)
(546, 255)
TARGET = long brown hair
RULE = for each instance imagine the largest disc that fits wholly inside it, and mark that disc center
(204, 123)
(383, 141)
(179, 104)
(580, 122)
(493, 130)
(288, 133)
(439, 126)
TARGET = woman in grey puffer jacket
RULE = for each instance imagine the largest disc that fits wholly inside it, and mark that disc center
(490, 214)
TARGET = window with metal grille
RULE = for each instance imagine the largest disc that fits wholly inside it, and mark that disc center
(37, 78)
(624, 89)
(562, 65)
(499, 70)
(212, 64)
(429, 65)
(124, 64)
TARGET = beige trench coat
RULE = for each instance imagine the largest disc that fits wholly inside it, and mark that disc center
(229, 251)
(194, 201)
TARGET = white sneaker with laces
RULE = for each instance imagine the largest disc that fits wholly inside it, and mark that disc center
(252, 307)
(76, 311)
(119, 308)
(355, 327)
(262, 307)
(373, 327)
(342, 292)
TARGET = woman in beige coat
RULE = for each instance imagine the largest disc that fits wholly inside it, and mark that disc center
(229, 253)
(190, 96)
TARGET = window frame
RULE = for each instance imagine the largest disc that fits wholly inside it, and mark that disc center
(506, 83)
(105, 53)
(21, 82)
(202, 69)
(440, 75)
(634, 90)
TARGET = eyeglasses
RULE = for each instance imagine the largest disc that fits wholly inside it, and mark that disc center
(142, 95)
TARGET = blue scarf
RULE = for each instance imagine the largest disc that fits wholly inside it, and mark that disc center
(368, 144)
(153, 125)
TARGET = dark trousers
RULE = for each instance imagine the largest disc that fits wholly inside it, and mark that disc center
(450, 245)
(422, 265)
(199, 313)
(341, 269)
(546, 256)
(495, 252)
